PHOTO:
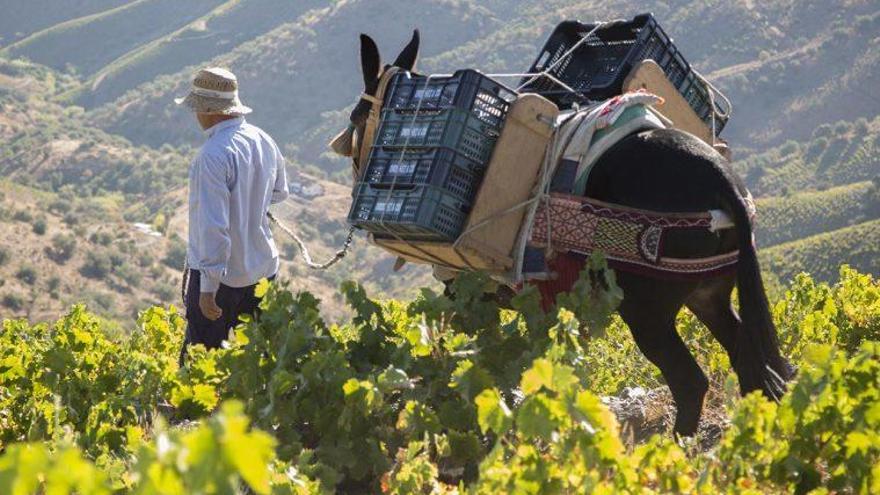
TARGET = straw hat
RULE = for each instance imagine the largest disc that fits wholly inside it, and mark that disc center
(214, 90)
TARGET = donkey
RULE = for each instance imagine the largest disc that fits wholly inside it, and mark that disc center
(664, 171)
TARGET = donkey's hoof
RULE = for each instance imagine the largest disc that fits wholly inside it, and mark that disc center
(686, 425)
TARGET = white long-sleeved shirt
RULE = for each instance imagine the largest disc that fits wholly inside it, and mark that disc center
(237, 174)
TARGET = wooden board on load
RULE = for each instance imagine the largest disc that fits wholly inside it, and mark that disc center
(493, 224)
(649, 76)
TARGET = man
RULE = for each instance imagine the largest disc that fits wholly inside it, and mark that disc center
(234, 178)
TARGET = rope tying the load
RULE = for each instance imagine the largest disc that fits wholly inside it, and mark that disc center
(546, 71)
(542, 190)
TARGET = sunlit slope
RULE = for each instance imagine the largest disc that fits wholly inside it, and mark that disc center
(87, 44)
(295, 73)
(22, 18)
(215, 33)
(787, 218)
(820, 255)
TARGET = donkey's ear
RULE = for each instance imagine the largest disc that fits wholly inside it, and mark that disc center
(407, 58)
(370, 62)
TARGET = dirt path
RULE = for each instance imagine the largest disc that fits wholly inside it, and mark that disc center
(756, 64)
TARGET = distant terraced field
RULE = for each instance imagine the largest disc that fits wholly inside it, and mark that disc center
(788, 218)
(822, 254)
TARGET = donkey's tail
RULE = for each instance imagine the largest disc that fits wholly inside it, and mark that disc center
(758, 361)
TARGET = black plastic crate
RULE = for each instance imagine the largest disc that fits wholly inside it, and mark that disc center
(451, 128)
(598, 67)
(419, 213)
(485, 98)
(441, 167)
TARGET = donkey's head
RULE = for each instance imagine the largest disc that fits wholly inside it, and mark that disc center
(349, 141)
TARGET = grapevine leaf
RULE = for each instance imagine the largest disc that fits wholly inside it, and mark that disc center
(535, 417)
(492, 413)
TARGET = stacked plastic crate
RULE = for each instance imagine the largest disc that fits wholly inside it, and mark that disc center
(435, 138)
(596, 67)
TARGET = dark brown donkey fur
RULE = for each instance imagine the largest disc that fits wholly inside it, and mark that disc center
(671, 171)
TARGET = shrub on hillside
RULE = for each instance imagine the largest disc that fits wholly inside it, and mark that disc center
(176, 254)
(116, 259)
(23, 216)
(71, 219)
(103, 238)
(861, 127)
(99, 299)
(13, 301)
(53, 284)
(62, 248)
(872, 203)
(27, 274)
(97, 265)
(816, 148)
(166, 293)
(145, 259)
(129, 274)
(40, 226)
(790, 147)
(841, 127)
(60, 206)
(834, 152)
(4, 255)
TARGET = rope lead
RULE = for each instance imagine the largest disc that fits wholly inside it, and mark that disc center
(304, 251)
(302, 248)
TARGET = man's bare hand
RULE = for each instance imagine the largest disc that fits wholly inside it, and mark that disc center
(208, 305)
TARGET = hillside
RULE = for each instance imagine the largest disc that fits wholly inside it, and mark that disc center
(57, 251)
(794, 62)
(117, 31)
(84, 182)
(89, 116)
(788, 218)
(21, 19)
(294, 73)
(820, 254)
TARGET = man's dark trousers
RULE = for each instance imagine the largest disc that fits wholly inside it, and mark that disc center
(234, 301)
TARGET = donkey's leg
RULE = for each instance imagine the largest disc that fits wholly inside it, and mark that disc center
(711, 303)
(649, 308)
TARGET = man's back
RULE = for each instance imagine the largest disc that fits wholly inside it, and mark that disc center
(238, 173)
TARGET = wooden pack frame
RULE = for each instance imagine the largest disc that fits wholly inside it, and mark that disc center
(494, 223)
(649, 76)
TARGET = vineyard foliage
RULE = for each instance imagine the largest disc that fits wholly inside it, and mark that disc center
(434, 396)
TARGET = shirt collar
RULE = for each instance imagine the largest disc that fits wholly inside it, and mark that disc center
(209, 132)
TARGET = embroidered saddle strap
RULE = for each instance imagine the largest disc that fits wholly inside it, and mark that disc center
(630, 237)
